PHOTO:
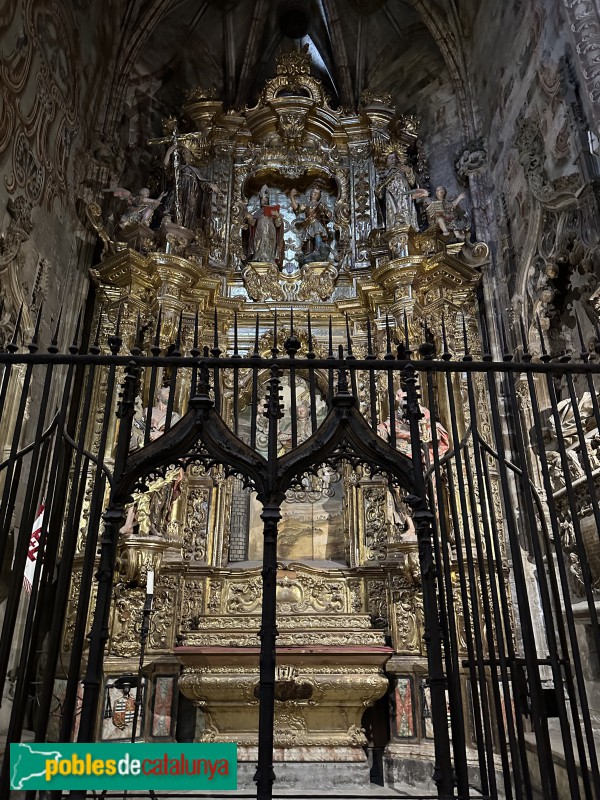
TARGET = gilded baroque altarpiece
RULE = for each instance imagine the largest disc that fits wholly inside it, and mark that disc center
(287, 206)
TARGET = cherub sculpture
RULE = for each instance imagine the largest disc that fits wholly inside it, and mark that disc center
(445, 214)
(141, 206)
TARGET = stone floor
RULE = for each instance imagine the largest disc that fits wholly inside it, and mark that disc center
(371, 793)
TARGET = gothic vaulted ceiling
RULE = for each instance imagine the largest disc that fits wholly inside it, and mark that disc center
(231, 46)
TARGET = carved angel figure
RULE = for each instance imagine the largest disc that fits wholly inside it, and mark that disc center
(443, 213)
(141, 206)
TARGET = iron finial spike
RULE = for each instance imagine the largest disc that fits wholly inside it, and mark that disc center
(369, 337)
(406, 336)
(256, 332)
(541, 333)
(158, 327)
(216, 336)
(310, 344)
(195, 328)
(446, 355)
(77, 327)
(235, 334)
(504, 340)
(388, 335)
(38, 321)
(119, 318)
(330, 337)
(465, 336)
(524, 342)
(179, 329)
(291, 321)
(54, 340)
(98, 326)
(580, 334)
(275, 333)
(348, 337)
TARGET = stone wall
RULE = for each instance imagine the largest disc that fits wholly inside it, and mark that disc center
(54, 65)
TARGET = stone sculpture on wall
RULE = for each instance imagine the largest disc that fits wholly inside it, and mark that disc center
(445, 214)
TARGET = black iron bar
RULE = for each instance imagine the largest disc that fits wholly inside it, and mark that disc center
(422, 516)
(78, 477)
(155, 350)
(557, 553)
(390, 383)
(480, 568)
(29, 637)
(573, 507)
(468, 589)
(292, 371)
(114, 517)
(372, 384)
(383, 365)
(195, 352)
(547, 776)
(444, 570)
(328, 366)
(12, 475)
(494, 551)
(271, 499)
(545, 595)
(254, 399)
(236, 377)
(173, 376)
(311, 379)
(216, 354)
(491, 605)
(30, 500)
(350, 357)
(87, 572)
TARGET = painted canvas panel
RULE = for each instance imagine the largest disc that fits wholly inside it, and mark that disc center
(403, 721)
(162, 711)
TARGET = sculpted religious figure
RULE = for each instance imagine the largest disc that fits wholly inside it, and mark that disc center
(150, 512)
(141, 206)
(265, 232)
(314, 216)
(445, 214)
(195, 192)
(402, 430)
(394, 193)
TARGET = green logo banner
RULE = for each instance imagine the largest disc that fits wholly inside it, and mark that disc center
(118, 766)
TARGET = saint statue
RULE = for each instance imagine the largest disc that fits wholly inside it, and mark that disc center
(402, 430)
(150, 511)
(190, 202)
(313, 227)
(394, 194)
(445, 214)
(265, 232)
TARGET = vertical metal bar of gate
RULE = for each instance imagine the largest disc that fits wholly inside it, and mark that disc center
(271, 516)
(443, 772)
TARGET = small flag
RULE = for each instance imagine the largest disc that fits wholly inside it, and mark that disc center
(32, 553)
